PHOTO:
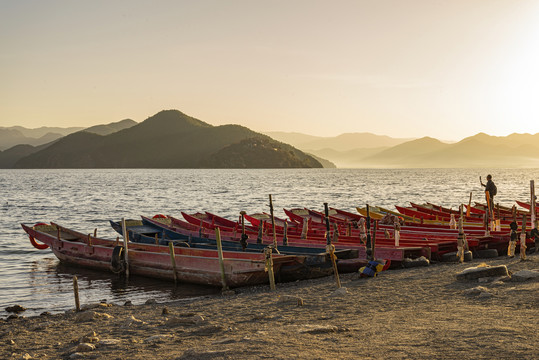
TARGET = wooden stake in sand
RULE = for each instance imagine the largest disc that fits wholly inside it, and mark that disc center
(76, 292)
(330, 248)
(221, 260)
(126, 246)
(173, 260)
(269, 266)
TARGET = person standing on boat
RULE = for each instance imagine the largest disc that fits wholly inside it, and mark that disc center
(490, 187)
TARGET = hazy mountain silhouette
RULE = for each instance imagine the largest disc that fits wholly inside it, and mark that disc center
(343, 142)
(404, 155)
(345, 159)
(169, 139)
(481, 150)
(111, 128)
(18, 135)
(11, 137)
(41, 131)
(325, 163)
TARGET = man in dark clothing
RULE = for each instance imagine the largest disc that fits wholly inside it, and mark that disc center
(491, 188)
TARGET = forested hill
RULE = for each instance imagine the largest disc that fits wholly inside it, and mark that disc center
(169, 139)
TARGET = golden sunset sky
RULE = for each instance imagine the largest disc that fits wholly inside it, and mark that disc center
(446, 69)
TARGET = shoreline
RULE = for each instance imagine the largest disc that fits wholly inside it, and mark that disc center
(402, 313)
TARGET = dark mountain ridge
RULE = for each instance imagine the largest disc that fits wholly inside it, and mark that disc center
(169, 139)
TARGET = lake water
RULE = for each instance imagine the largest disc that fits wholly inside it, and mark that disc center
(85, 199)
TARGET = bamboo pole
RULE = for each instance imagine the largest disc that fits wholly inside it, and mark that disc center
(330, 248)
(373, 241)
(126, 246)
(76, 292)
(328, 235)
(460, 238)
(244, 237)
(532, 203)
(273, 223)
(468, 210)
(260, 232)
(487, 214)
(221, 260)
(285, 234)
(173, 260)
(368, 245)
(396, 228)
(523, 237)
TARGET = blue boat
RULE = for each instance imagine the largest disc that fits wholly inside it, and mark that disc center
(317, 262)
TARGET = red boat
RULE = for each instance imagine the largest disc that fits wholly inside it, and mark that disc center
(385, 248)
(197, 266)
(527, 206)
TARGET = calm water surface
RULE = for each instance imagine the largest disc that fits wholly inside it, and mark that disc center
(87, 199)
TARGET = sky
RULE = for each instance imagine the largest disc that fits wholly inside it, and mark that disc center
(403, 68)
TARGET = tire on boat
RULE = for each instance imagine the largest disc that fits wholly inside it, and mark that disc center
(34, 242)
(486, 253)
(452, 256)
(117, 260)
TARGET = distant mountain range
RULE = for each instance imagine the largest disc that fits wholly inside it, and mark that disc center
(374, 151)
(169, 139)
(17, 135)
(343, 142)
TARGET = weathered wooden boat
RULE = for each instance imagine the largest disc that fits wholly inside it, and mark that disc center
(315, 262)
(198, 266)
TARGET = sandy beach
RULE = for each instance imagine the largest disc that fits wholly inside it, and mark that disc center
(422, 312)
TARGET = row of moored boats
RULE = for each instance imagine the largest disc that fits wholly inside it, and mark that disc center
(187, 249)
